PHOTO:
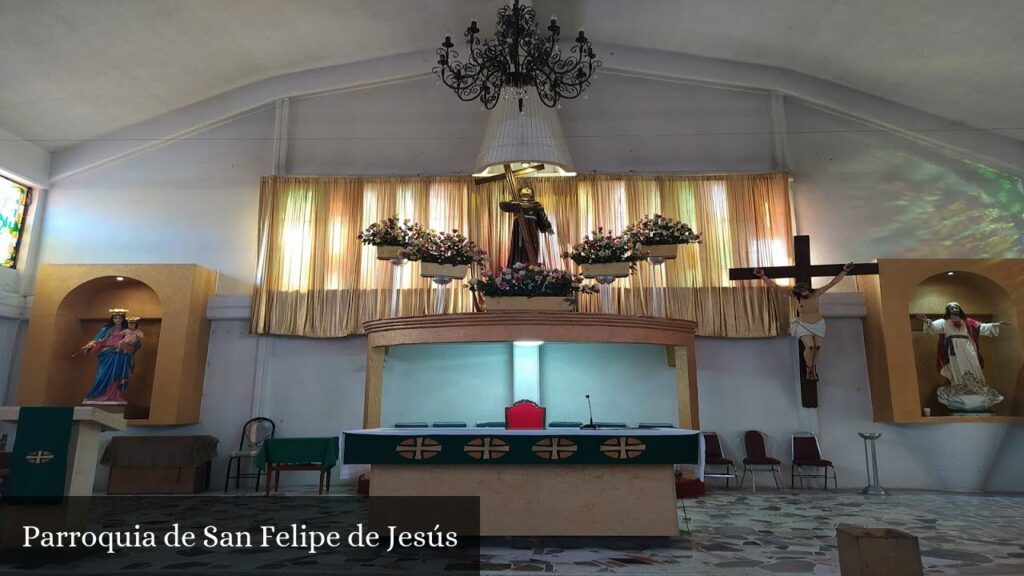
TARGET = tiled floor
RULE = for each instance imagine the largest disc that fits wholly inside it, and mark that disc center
(794, 533)
(730, 533)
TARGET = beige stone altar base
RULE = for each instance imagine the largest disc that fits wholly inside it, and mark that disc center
(83, 453)
(548, 500)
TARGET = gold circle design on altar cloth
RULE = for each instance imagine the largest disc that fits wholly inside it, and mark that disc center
(39, 457)
(486, 448)
(623, 448)
(554, 448)
(418, 448)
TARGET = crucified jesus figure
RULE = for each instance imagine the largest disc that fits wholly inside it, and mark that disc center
(809, 325)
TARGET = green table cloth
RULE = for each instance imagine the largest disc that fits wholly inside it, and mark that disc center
(323, 451)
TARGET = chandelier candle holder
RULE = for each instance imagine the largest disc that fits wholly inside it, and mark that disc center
(517, 58)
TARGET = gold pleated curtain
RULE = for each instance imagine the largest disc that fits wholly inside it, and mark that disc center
(315, 279)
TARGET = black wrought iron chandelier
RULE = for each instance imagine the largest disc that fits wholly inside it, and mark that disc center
(517, 58)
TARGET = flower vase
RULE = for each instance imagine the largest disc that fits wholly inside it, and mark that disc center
(389, 252)
(536, 303)
(613, 269)
(435, 270)
(663, 251)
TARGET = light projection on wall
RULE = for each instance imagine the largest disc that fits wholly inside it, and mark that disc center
(957, 209)
(13, 199)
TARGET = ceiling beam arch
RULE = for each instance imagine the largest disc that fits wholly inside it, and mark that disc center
(958, 139)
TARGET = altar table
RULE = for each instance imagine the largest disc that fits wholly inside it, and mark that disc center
(302, 454)
(554, 482)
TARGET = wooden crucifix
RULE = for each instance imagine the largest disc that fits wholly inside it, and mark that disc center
(807, 334)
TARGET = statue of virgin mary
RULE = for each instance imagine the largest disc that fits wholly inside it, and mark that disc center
(116, 358)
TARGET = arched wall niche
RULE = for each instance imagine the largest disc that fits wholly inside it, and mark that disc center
(81, 314)
(986, 301)
(902, 361)
(70, 305)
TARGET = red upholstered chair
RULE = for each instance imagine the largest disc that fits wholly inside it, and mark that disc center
(525, 415)
(714, 456)
(807, 454)
(755, 443)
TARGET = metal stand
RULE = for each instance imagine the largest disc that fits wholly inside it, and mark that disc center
(871, 461)
(441, 294)
(396, 280)
(659, 305)
(606, 292)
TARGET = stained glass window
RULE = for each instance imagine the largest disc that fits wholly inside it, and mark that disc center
(13, 199)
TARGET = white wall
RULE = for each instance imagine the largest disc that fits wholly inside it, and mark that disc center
(190, 201)
(23, 160)
(860, 195)
(641, 125)
(630, 383)
(446, 382)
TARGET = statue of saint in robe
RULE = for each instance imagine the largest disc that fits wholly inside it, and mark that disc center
(529, 221)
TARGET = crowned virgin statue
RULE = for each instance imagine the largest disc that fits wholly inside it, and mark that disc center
(960, 362)
(114, 345)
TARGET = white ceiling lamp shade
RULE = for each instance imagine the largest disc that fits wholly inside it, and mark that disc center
(532, 136)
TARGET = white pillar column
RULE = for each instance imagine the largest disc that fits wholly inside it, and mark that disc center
(526, 371)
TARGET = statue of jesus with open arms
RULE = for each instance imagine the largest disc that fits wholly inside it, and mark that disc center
(959, 360)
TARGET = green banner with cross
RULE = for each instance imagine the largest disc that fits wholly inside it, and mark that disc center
(614, 447)
(39, 461)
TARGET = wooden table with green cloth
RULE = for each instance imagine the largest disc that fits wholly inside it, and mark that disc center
(298, 454)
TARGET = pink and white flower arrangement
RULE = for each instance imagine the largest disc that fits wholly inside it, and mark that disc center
(452, 248)
(603, 247)
(389, 232)
(530, 281)
(658, 230)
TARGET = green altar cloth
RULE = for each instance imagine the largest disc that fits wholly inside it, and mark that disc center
(492, 446)
(323, 451)
(39, 462)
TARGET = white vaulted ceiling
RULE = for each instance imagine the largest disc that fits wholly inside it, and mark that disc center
(73, 70)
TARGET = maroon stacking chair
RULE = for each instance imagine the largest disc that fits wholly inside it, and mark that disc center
(525, 415)
(807, 454)
(714, 456)
(755, 443)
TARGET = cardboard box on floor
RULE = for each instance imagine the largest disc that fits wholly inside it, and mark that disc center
(877, 552)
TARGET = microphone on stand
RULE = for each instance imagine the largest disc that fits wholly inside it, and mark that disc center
(590, 407)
